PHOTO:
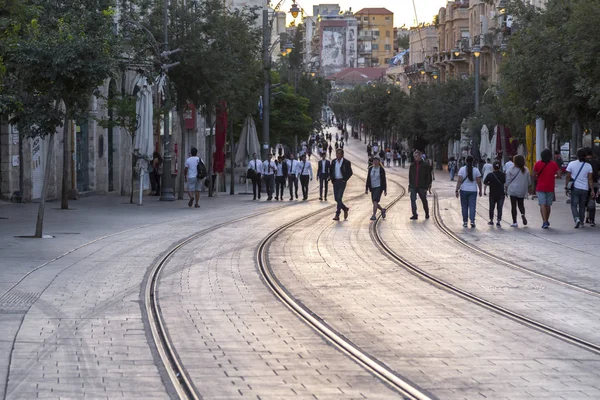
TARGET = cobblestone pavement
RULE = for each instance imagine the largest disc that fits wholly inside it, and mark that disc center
(76, 328)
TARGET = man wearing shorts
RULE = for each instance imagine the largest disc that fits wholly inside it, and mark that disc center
(191, 177)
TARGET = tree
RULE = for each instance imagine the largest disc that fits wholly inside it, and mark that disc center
(289, 116)
(64, 54)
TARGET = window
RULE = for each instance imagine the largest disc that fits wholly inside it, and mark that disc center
(376, 33)
(387, 18)
(375, 46)
(373, 18)
(388, 47)
(387, 60)
(388, 34)
(365, 19)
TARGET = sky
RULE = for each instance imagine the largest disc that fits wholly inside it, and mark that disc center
(403, 9)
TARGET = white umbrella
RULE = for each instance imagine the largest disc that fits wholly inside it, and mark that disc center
(484, 146)
(249, 143)
(142, 143)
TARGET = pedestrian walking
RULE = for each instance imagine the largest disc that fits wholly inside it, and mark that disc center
(419, 181)
(487, 169)
(517, 188)
(469, 180)
(330, 150)
(155, 173)
(376, 184)
(293, 164)
(403, 157)
(578, 186)
(269, 169)
(306, 174)
(591, 203)
(395, 157)
(254, 172)
(340, 171)
(323, 175)
(452, 165)
(509, 164)
(496, 180)
(388, 157)
(280, 177)
(190, 174)
(545, 171)
(369, 150)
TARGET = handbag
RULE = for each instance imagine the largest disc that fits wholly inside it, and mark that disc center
(572, 181)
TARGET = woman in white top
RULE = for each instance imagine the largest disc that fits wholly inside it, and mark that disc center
(487, 168)
(469, 180)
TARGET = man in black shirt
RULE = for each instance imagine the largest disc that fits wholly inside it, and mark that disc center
(495, 180)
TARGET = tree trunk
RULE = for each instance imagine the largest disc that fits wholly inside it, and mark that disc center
(39, 225)
(132, 170)
(180, 190)
(210, 156)
(21, 169)
(231, 158)
(64, 201)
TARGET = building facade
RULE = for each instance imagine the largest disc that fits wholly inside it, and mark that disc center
(375, 37)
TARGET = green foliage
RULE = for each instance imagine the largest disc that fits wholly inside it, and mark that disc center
(124, 114)
(551, 71)
(289, 116)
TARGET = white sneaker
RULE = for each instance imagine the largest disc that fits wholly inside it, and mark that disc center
(515, 225)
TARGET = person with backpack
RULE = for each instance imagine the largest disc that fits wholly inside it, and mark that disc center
(192, 180)
(496, 180)
(517, 188)
(544, 171)
(579, 186)
(469, 180)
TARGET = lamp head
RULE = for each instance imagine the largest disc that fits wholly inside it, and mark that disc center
(456, 51)
(295, 10)
(476, 51)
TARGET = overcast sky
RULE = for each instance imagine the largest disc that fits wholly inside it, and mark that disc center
(403, 9)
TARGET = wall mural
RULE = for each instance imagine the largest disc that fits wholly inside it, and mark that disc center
(339, 49)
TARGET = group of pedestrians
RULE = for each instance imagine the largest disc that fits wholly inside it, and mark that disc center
(275, 173)
(516, 182)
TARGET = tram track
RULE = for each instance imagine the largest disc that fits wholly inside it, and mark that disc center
(447, 286)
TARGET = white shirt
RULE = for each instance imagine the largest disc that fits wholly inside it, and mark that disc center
(375, 177)
(487, 168)
(266, 169)
(582, 180)
(305, 168)
(192, 166)
(322, 165)
(337, 173)
(280, 169)
(256, 165)
(508, 166)
(467, 185)
(292, 167)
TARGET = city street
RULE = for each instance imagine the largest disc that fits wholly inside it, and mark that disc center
(275, 300)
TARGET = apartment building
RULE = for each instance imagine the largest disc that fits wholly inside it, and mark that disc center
(375, 36)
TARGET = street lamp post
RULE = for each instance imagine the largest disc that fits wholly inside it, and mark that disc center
(267, 87)
(476, 53)
(167, 192)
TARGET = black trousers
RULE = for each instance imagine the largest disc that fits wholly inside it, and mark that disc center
(422, 193)
(293, 184)
(496, 201)
(269, 184)
(279, 185)
(304, 179)
(256, 185)
(338, 192)
(514, 202)
(323, 184)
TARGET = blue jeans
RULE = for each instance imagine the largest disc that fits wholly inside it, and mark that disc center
(468, 203)
(578, 200)
(452, 173)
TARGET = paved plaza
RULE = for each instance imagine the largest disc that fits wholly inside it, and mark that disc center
(74, 322)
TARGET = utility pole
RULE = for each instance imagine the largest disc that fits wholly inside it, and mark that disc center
(167, 193)
(267, 87)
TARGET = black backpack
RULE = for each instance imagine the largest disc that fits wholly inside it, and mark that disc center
(201, 169)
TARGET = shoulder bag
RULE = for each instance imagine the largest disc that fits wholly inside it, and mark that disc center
(572, 181)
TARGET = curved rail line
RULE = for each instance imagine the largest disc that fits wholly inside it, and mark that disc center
(371, 364)
(448, 232)
(426, 276)
(178, 375)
